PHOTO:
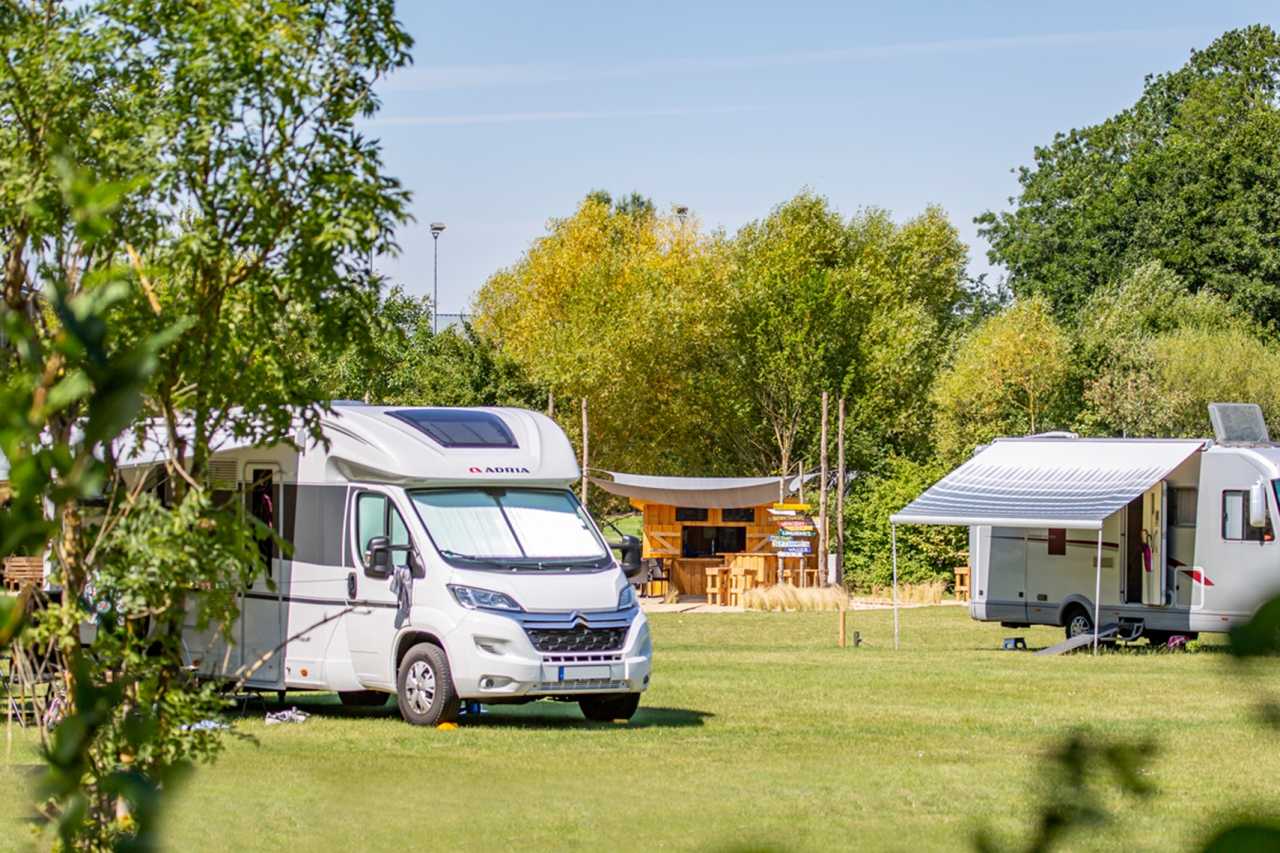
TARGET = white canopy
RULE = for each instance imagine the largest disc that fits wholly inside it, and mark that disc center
(701, 492)
(1067, 482)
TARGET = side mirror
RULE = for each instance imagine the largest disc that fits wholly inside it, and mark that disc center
(378, 553)
(630, 548)
(1258, 505)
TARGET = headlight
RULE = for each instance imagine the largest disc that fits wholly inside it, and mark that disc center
(473, 598)
(627, 597)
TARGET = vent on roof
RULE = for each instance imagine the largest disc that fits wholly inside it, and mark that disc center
(459, 427)
(1238, 423)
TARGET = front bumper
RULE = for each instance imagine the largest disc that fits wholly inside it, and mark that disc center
(493, 658)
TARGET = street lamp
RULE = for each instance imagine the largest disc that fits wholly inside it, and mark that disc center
(436, 228)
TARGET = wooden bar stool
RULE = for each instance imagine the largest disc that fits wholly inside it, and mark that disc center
(717, 585)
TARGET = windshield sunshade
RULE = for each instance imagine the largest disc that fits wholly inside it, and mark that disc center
(459, 428)
(511, 524)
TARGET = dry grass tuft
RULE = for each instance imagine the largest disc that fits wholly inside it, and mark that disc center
(787, 597)
(930, 592)
(672, 596)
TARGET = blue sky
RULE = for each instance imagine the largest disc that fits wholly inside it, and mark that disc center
(512, 112)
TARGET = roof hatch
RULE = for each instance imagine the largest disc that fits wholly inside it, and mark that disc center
(455, 428)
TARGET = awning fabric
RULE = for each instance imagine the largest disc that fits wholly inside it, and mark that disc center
(1071, 483)
(701, 492)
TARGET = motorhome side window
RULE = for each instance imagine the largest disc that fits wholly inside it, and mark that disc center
(377, 516)
(1235, 519)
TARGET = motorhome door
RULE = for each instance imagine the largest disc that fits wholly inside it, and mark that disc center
(1153, 538)
(262, 617)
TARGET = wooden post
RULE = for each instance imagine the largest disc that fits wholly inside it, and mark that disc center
(823, 546)
(551, 404)
(838, 573)
(585, 453)
(801, 480)
(840, 611)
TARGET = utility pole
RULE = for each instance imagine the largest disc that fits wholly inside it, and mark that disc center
(436, 228)
(840, 472)
(585, 456)
(823, 548)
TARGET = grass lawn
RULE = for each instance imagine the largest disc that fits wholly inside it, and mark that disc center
(757, 733)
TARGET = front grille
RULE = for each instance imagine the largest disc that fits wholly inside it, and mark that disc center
(580, 684)
(577, 640)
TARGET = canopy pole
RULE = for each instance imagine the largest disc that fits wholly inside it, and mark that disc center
(1097, 595)
(893, 538)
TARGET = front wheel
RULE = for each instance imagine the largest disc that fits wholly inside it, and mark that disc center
(604, 709)
(424, 687)
(1078, 622)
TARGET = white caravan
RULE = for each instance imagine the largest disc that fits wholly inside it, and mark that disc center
(456, 559)
(1160, 537)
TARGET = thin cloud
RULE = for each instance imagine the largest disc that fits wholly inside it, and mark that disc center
(544, 116)
(500, 75)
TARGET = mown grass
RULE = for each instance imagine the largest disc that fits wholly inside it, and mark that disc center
(757, 732)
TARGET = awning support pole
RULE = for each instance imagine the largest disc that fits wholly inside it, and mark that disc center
(1097, 595)
(893, 538)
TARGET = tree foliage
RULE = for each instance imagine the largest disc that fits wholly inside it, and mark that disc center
(1185, 176)
(1010, 376)
(186, 205)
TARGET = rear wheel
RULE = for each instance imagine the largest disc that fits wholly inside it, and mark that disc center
(363, 698)
(604, 709)
(424, 687)
(1078, 622)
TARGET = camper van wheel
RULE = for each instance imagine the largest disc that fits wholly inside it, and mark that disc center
(362, 698)
(604, 709)
(1078, 622)
(424, 687)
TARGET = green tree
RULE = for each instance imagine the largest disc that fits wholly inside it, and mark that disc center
(1186, 176)
(1010, 376)
(405, 363)
(861, 307)
(625, 307)
(169, 169)
(925, 552)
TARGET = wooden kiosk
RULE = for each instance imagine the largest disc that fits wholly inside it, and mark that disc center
(714, 535)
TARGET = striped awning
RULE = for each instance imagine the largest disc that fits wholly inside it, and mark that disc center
(1073, 483)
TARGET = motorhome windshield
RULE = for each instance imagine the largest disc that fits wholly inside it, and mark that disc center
(528, 528)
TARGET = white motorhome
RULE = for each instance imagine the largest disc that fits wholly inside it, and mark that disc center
(1161, 537)
(456, 559)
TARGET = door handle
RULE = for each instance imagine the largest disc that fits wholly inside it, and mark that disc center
(351, 586)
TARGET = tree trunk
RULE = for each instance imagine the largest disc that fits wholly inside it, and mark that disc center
(823, 571)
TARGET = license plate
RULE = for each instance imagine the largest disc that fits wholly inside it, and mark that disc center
(569, 672)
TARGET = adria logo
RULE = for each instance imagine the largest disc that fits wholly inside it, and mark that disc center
(491, 470)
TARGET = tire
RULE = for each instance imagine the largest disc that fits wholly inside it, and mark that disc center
(424, 687)
(605, 709)
(363, 698)
(1078, 621)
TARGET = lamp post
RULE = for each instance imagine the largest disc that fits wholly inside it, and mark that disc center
(436, 228)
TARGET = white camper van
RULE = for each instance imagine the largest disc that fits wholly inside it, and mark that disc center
(459, 563)
(1158, 537)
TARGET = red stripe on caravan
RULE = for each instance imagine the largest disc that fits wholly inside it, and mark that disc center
(1198, 576)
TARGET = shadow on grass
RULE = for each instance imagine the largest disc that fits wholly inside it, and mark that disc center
(534, 715)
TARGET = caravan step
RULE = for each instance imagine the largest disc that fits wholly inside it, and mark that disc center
(1106, 634)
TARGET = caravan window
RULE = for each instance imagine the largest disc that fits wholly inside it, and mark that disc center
(377, 516)
(1235, 519)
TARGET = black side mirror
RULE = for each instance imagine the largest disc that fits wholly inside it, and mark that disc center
(630, 548)
(378, 554)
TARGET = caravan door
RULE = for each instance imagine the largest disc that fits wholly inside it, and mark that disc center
(262, 607)
(1153, 539)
